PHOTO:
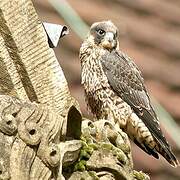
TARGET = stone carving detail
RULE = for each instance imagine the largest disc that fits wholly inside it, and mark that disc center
(36, 145)
(105, 154)
(48, 140)
(30, 141)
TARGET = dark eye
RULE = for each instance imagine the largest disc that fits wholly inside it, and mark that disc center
(100, 32)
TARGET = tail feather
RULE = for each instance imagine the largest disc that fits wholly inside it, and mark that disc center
(148, 150)
(167, 153)
(149, 141)
(162, 145)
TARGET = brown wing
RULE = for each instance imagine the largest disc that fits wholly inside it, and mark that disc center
(126, 80)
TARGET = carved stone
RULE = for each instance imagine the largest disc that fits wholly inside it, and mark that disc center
(30, 141)
(42, 135)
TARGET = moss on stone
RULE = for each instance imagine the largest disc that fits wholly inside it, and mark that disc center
(94, 146)
(93, 175)
(85, 153)
(125, 148)
(80, 166)
(107, 146)
(140, 175)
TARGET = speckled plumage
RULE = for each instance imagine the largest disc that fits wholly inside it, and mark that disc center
(114, 90)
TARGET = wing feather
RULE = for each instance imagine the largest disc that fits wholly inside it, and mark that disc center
(126, 80)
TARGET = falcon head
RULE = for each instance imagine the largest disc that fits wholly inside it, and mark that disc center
(104, 34)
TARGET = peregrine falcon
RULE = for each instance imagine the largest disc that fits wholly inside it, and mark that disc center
(115, 90)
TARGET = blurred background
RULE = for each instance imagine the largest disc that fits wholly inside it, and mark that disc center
(150, 34)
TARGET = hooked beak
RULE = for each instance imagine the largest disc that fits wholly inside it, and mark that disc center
(109, 42)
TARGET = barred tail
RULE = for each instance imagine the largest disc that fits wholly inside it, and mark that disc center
(152, 143)
(167, 153)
